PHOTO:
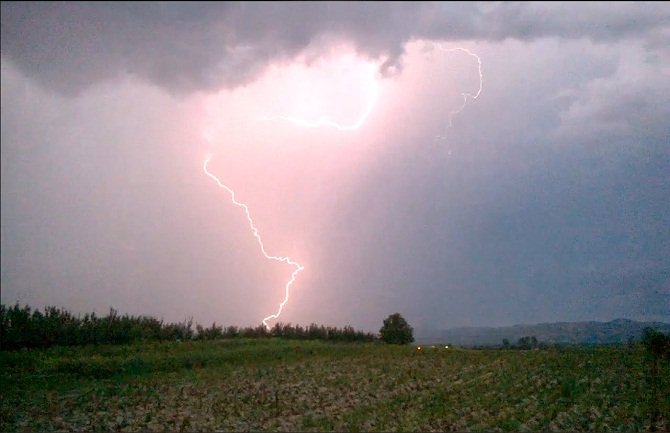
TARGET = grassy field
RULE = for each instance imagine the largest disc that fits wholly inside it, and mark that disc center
(272, 384)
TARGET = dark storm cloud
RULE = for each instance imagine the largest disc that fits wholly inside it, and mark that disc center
(546, 201)
(191, 46)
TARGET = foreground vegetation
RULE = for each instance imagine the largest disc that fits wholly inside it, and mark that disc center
(278, 384)
(23, 327)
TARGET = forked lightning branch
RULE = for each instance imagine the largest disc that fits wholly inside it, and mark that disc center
(326, 122)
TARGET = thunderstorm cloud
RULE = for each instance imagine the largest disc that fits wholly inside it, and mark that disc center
(546, 200)
(192, 46)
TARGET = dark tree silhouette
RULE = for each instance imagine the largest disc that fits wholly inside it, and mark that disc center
(396, 330)
(657, 346)
(656, 342)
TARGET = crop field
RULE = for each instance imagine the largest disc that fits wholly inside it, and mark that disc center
(274, 384)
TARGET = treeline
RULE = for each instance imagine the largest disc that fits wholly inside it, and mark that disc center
(524, 343)
(283, 330)
(23, 327)
(655, 342)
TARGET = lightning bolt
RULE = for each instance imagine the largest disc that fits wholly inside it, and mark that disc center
(465, 95)
(298, 267)
(322, 122)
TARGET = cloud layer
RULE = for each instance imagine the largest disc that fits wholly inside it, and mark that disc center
(546, 200)
(189, 46)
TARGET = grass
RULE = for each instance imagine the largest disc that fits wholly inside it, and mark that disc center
(273, 384)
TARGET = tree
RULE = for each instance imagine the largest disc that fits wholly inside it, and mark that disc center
(396, 330)
(656, 342)
(527, 343)
(658, 347)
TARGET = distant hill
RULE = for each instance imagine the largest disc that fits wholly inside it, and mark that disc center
(616, 331)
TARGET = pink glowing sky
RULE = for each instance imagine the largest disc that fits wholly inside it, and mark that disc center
(542, 201)
(305, 124)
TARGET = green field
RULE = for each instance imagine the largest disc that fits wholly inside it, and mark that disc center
(273, 384)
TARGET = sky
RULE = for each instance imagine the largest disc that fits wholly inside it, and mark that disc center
(464, 164)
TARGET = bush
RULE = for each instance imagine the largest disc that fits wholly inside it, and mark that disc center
(396, 330)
